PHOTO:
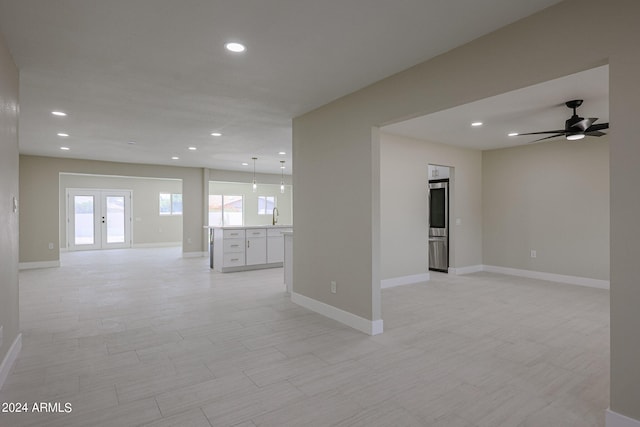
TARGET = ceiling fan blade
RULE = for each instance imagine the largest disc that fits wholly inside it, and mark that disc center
(595, 133)
(599, 126)
(561, 131)
(548, 137)
(584, 124)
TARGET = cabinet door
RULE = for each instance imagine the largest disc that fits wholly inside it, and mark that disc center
(275, 249)
(256, 250)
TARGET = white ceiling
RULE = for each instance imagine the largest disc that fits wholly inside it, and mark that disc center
(155, 71)
(535, 108)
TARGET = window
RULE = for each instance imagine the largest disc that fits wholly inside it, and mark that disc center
(226, 210)
(266, 205)
(170, 204)
(176, 204)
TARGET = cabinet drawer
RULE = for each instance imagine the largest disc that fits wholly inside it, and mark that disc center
(256, 232)
(233, 245)
(276, 232)
(233, 260)
(233, 234)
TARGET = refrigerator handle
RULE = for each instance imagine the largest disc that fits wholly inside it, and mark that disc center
(428, 206)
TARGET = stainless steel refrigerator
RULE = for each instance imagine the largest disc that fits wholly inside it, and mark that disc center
(439, 225)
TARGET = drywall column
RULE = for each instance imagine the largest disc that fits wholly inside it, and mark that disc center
(9, 312)
(334, 181)
(625, 231)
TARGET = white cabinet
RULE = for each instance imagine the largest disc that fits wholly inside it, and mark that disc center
(228, 248)
(275, 249)
(275, 245)
(256, 247)
(246, 248)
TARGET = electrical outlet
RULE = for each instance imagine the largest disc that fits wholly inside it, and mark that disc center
(189, 240)
(334, 287)
(50, 245)
(533, 253)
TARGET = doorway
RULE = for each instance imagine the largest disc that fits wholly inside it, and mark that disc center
(98, 219)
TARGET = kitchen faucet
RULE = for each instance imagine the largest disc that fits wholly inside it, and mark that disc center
(275, 215)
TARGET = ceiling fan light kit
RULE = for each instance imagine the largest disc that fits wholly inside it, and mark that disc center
(575, 127)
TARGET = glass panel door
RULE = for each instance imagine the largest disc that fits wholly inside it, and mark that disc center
(98, 219)
(84, 225)
(116, 219)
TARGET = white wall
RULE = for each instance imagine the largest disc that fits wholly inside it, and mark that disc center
(148, 227)
(404, 222)
(250, 200)
(551, 197)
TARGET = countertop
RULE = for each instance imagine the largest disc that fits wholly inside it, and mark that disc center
(246, 227)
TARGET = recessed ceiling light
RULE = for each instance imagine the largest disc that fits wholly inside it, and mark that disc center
(282, 153)
(193, 148)
(476, 124)
(63, 134)
(65, 148)
(131, 142)
(245, 164)
(59, 113)
(235, 47)
(216, 134)
(175, 158)
(514, 134)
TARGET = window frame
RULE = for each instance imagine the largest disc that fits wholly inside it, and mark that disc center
(266, 204)
(222, 210)
(171, 201)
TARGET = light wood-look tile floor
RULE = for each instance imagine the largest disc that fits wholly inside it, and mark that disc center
(145, 337)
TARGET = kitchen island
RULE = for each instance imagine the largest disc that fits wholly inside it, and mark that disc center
(246, 248)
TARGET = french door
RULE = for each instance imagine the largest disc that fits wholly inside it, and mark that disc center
(98, 219)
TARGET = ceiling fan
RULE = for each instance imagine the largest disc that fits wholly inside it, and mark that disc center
(575, 127)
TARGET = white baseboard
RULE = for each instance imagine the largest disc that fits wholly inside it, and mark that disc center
(404, 280)
(38, 264)
(10, 359)
(370, 327)
(572, 280)
(613, 419)
(194, 254)
(156, 245)
(466, 270)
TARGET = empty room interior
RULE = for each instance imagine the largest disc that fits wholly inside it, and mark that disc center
(297, 213)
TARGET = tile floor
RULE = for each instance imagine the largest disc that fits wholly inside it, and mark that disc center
(145, 337)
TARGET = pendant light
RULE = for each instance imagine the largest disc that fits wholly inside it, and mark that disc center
(282, 180)
(255, 184)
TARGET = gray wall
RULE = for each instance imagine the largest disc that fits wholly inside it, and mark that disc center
(342, 137)
(551, 197)
(9, 317)
(148, 226)
(39, 213)
(403, 204)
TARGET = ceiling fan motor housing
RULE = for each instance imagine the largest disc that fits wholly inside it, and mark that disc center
(568, 124)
